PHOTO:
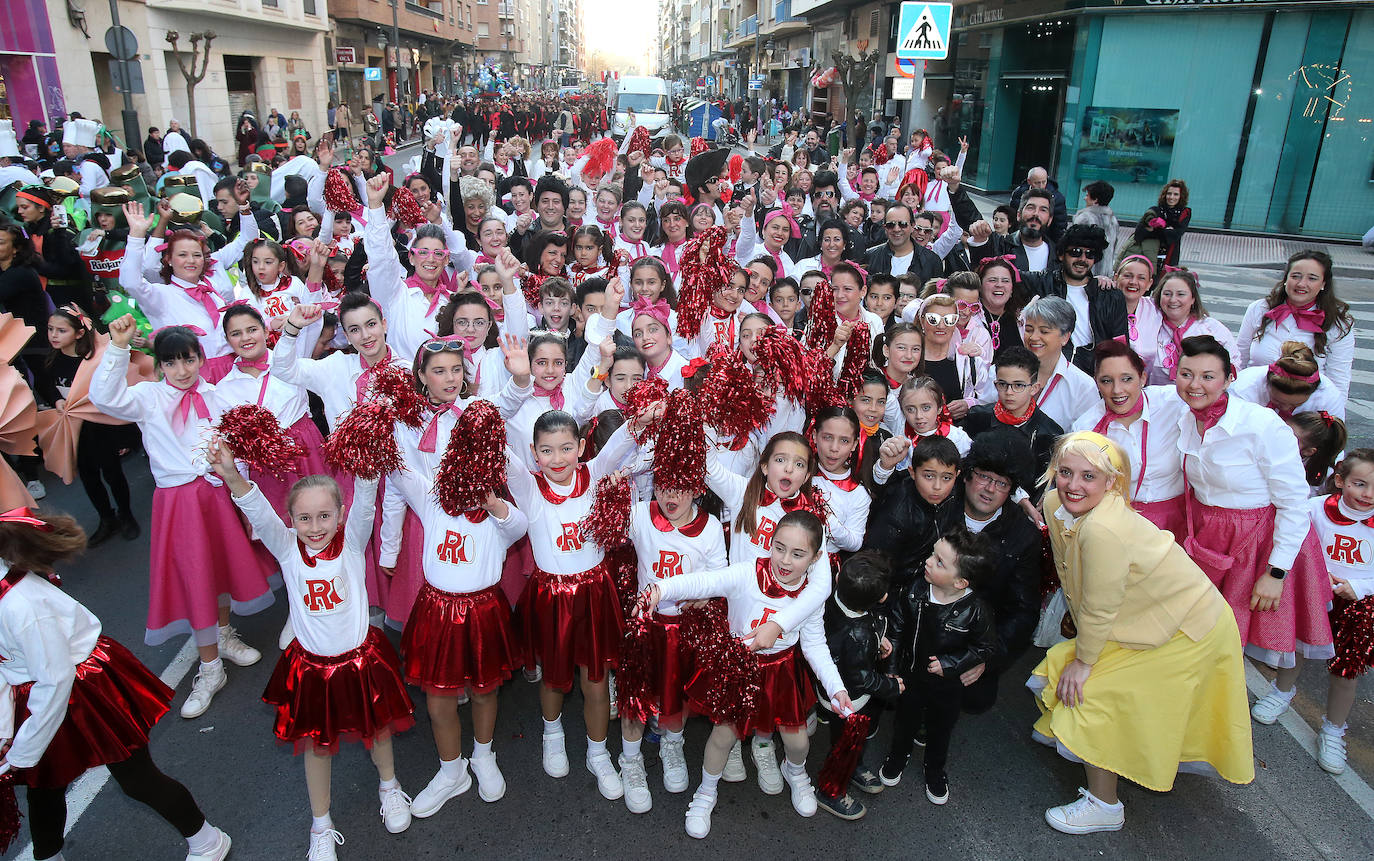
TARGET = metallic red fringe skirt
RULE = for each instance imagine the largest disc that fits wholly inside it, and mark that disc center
(785, 693)
(569, 621)
(458, 640)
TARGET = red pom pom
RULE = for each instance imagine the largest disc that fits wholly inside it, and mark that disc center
(730, 399)
(779, 357)
(833, 779)
(255, 437)
(736, 163)
(680, 445)
(338, 192)
(530, 285)
(699, 146)
(393, 385)
(331, 282)
(641, 396)
(1352, 630)
(640, 142)
(474, 462)
(405, 209)
(634, 693)
(9, 811)
(820, 317)
(623, 564)
(600, 160)
(822, 391)
(705, 268)
(364, 442)
(608, 521)
(733, 672)
(855, 362)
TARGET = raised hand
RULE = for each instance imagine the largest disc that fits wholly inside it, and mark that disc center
(516, 351)
(138, 221)
(376, 191)
(303, 315)
(242, 193)
(122, 329)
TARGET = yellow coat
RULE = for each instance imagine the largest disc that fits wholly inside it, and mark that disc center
(1127, 581)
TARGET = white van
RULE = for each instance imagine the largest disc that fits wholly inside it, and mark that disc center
(648, 98)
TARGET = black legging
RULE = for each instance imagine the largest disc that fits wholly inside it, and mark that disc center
(97, 457)
(139, 779)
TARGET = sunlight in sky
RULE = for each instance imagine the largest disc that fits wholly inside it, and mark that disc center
(620, 27)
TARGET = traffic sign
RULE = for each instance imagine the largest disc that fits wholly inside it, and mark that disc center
(923, 30)
(710, 80)
(372, 73)
(121, 44)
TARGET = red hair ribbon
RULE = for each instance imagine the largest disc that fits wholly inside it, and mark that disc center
(1278, 371)
(693, 367)
(23, 515)
(1326, 417)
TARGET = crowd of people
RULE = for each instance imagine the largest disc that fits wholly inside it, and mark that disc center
(767, 439)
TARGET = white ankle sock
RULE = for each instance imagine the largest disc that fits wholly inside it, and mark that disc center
(553, 727)
(481, 749)
(212, 667)
(320, 824)
(710, 783)
(630, 748)
(596, 748)
(385, 785)
(792, 768)
(1288, 695)
(1331, 729)
(452, 768)
(673, 736)
(1101, 803)
(203, 840)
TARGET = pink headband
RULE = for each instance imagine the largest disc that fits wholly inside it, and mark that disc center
(1289, 375)
(658, 309)
(194, 330)
(784, 211)
(1149, 264)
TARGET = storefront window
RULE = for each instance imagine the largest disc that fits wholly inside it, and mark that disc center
(955, 96)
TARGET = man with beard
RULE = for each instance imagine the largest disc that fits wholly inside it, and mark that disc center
(550, 202)
(900, 255)
(1101, 310)
(1032, 249)
(1038, 177)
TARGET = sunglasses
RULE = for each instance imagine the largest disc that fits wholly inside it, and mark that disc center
(826, 193)
(942, 319)
(929, 230)
(968, 307)
(895, 225)
(438, 346)
(1082, 252)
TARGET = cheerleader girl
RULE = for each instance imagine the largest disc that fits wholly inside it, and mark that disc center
(200, 555)
(554, 389)
(673, 230)
(784, 298)
(649, 281)
(193, 290)
(1344, 522)
(72, 341)
(723, 316)
(1321, 439)
(902, 355)
(570, 613)
(629, 239)
(703, 216)
(778, 227)
(849, 287)
(577, 206)
(272, 287)
(1291, 384)
(764, 588)
(73, 698)
(339, 679)
(968, 304)
(1179, 300)
(620, 367)
(469, 317)
(593, 253)
(763, 271)
(835, 431)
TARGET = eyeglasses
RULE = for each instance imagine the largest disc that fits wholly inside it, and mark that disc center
(894, 225)
(968, 307)
(1081, 252)
(440, 346)
(996, 483)
(1008, 386)
(476, 325)
(942, 319)
(429, 252)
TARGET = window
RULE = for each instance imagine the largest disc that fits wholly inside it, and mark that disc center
(483, 31)
(270, 3)
(309, 7)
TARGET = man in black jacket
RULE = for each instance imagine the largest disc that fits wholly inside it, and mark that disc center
(1033, 250)
(996, 465)
(1038, 177)
(1101, 310)
(900, 255)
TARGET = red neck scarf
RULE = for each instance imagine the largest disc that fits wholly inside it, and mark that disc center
(944, 423)
(691, 528)
(1309, 318)
(430, 438)
(582, 479)
(1101, 426)
(769, 584)
(330, 551)
(1008, 418)
(669, 257)
(638, 244)
(845, 483)
(191, 399)
(555, 395)
(1209, 416)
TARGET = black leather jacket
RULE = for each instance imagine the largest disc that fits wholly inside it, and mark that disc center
(961, 634)
(905, 527)
(1013, 590)
(853, 642)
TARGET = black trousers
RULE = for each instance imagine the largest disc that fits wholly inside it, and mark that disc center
(932, 701)
(97, 464)
(139, 778)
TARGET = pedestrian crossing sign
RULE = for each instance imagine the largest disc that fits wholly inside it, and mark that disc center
(924, 31)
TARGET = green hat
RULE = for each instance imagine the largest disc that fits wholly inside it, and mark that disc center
(132, 178)
(262, 191)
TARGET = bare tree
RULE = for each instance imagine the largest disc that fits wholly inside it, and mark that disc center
(192, 76)
(856, 75)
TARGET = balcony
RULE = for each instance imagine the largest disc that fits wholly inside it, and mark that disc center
(782, 21)
(505, 10)
(430, 9)
(742, 34)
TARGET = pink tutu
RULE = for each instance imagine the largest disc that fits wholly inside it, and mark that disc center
(276, 486)
(1233, 548)
(200, 550)
(1167, 514)
(404, 585)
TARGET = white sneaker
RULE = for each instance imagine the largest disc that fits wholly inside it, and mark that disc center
(1331, 748)
(636, 784)
(491, 784)
(555, 754)
(322, 845)
(440, 789)
(234, 650)
(674, 764)
(36, 489)
(607, 780)
(218, 852)
(288, 633)
(1272, 705)
(1087, 815)
(534, 676)
(699, 814)
(734, 765)
(203, 689)
(610, 684)
(766, 761)
(395, 809)
(803, 793)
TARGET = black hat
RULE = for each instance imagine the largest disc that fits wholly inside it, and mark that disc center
(551, 183)
(1083, 236)
(1002, 452)
(703, 167)
(297, 189)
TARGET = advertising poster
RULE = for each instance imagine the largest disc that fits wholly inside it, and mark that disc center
(1126, 144)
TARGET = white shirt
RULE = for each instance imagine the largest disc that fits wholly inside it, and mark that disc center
(665, 551)
(44, 635)
(1159, 375)
(577, 402)
(1252, 384)
(1037, 257)
(1068, 394)
(288, 402)
(1348, 547)
(328, 596)
(334, 378)
(1082, 326)
(1152, 439)
(901, 264)
(1249, 460)
(848, 511)
(1336, 365)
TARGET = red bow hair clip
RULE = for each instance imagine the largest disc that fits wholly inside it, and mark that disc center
(23, 515)
(694, 367)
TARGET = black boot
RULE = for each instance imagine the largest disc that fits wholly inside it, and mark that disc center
(104, 532)
(129, 528)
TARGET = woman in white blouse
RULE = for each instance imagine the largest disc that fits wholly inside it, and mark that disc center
(1179, 301)
(1134, 277)
(1303, 307)
(1247, 513)
(1291, 384)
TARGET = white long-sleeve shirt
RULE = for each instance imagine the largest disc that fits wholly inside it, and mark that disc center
(288, 402)
(44, 634)
(334, 378)
(328, 595)
(1336, 365)
(1347, 541)
(665, 551)
(849, 502)
(1249, 460)
(1067, 394)
(1152, 439)
(279, 303)
(578, 401)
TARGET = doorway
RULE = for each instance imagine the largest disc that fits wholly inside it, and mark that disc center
(1037, 132)
(240, 82)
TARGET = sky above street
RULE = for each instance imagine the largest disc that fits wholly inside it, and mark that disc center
(624, 27)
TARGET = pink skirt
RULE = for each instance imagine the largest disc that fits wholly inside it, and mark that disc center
(1168, 514)
(402, 586)
(200, 551)
(1233, 548)
(276, 486)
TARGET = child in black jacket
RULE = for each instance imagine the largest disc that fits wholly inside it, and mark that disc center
(855, 633)
(940, 628)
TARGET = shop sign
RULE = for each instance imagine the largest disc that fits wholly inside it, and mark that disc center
(345, 56)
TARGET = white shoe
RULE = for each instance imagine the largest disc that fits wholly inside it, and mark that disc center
(674, 764)
(636, 784)
(1331, 748)
(203, 689)
(766, 761)
(1087, 815)
(234, 650)
(534, 676)
(1272, 705)
(36, 489)
(288, 633)
(803, 793)
(440, 789)
(610, 684)
(491, 784)
(555, 754)
(734, 765)
(699, 814)
(218, 852)
(395, 810)
(322, 845)
(607, 780)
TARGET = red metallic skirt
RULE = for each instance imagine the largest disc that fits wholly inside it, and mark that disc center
(569, 621)
(114, 702)
(458, 640)
(322, 701)
(786, 694)
(670, 663)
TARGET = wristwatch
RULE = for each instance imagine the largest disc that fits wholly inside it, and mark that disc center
(1277, 573)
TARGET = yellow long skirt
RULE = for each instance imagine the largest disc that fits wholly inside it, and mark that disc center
(1149, 713)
